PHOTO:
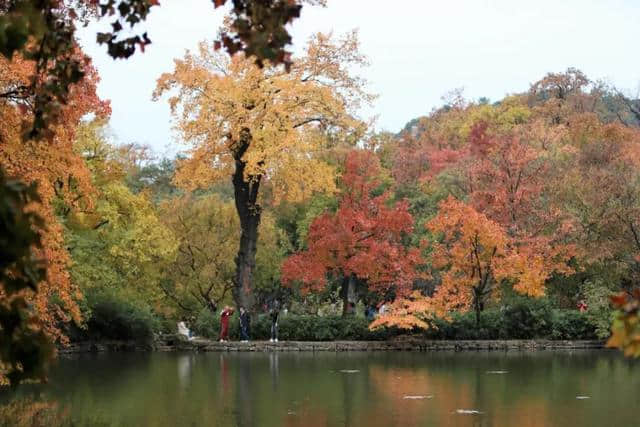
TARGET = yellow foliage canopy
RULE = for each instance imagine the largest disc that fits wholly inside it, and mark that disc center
(279, 123)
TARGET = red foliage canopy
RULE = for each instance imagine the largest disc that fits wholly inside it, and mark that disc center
(363, 238)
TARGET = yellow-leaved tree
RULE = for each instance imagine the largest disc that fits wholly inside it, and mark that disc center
(207, 229)
(265, 125)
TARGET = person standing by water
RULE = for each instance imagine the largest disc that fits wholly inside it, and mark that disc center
(273, 314)
(244, 324)
(224, 323)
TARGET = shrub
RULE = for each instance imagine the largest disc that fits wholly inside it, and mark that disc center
(522, 319)
(206, 324)
(463, 327)
(113, 316)
(571, 324)
(293, 328)
(527, 318)
(600, 312)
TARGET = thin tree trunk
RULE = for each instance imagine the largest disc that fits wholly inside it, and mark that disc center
(249, 212)
(477, 305)
(348, 294)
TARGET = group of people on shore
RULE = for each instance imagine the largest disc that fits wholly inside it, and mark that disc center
(370, 312)
(245, 324)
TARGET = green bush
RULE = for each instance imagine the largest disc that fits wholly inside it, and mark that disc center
(113, 316)
(521, 319)
(293, 328)
(110, 316)
(600, 312)
(571, 324)
(527, 318)
(463, 327)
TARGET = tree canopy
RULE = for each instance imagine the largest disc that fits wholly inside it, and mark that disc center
(265, 126)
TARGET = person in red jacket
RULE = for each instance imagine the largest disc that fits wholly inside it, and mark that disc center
(582, 306)
(224, 323)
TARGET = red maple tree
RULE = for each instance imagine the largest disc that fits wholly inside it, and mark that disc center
(362, 241)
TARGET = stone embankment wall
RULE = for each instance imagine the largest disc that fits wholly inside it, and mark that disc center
(174, 343)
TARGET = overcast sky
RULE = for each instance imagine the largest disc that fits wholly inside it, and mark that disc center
(418, 49)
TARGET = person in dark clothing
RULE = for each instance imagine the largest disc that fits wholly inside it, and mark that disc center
(273, 314)
(370, 313)
(244, 324)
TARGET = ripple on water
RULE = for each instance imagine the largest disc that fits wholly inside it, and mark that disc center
(468, 412)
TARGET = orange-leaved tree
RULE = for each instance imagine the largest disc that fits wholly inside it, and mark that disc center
(62, 178)
(361, 242)
(260, 126)
(476, 255)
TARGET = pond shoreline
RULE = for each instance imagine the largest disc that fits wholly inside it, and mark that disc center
(171, 343)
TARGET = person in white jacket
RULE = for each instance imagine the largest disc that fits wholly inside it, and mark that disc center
(183, 330)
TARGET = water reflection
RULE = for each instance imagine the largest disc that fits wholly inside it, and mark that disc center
(245, 392)
(306, 389)
(273, 369)
(184, 363)
(29, 412)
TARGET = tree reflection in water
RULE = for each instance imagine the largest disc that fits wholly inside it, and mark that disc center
(337, 389)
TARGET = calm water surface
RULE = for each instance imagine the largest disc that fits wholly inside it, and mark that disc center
(580, 388)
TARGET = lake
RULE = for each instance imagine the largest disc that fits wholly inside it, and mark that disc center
(544, 388)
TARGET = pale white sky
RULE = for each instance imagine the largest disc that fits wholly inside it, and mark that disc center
(418, 49)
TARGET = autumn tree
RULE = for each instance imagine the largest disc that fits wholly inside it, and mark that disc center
(262, 126)
(207, 232)
(25, 349)
(118, 242)
(43, 31)
(473, 256)
(476, 255)
(601, 190)
(499, 160)
(412, 311)
(361, 242)
(64, 182)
